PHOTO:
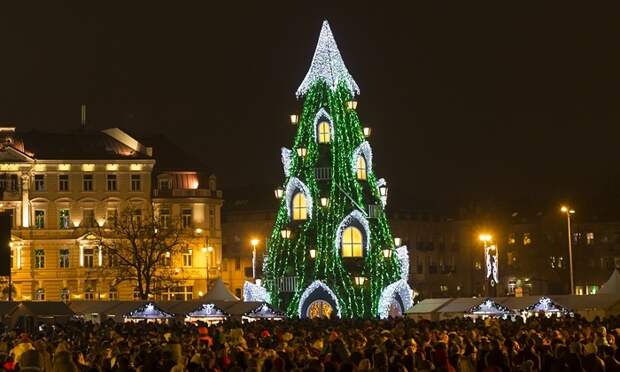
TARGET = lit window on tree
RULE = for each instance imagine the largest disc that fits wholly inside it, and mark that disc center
(324, 132)
(300, 207)
(352, 242)
(361, 168)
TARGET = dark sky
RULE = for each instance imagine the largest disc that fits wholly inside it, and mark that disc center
(513, 103)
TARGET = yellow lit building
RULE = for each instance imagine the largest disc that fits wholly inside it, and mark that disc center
(58, 187)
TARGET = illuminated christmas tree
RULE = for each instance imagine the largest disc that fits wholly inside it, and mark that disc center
(331, 252)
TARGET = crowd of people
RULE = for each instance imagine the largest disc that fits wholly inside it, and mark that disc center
(540, 344)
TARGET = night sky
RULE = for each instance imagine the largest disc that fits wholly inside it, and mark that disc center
(514, 104)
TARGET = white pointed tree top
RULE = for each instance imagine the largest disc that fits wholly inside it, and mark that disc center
(327, 65)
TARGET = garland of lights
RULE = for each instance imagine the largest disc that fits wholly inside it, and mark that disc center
(264, 311)
(207, 311)
(313, 287)
(366, 151)
(388, 296)
(347, 222)
(489, 307)
(254, 293)
(327, 66)
(322, 114)
(149, 311)
(295, 185)
(548, 306)
(286, 160)
(289, 269)
(403, 257)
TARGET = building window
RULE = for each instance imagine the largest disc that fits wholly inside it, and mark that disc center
(300, 207)
(443, 288)
(361, 168)
(63, 182)
(164, 218)
(63, 258)
(88, 217)
(212, 217)
(224, 265)
(64, 220)
(113, 294)
(511, 239)
(89, 295)
(39, 259)
(187, 258)
(136, 182)
(39, 182)
(527, 240)
(64, 295)
(324, 132)
(112, 259)
(111, 178)
(164, 184)
(181, 293)
(89, 257)
(39, 219)
(237, 263)
(39, 294)
(352, 242)
(136, 216)
(186, 218)
(589, 238)
(87, 182)
(477, 265)
(110, 215)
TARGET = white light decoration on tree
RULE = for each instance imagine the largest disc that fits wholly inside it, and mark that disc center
(381, 182)
(254, 293)
(348, 221)
(403, 258)
(287, 157)
(366, 151)
(295, 185)
(310, 289)
(327, 65)
(388, 296)
(320, 116)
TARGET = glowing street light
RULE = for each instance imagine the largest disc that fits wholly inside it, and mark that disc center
(278, 192)
(254, 243)
(568, 211)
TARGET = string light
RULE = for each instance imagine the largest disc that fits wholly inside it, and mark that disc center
(310, 290)
(366, 151)
(294, 186)
(286, 160)
(388, 297)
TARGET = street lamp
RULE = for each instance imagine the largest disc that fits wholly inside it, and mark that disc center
(568, 211)
(254, 243)
(207, 251)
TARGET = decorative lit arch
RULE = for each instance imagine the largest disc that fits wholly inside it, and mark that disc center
(355, 218)
(314, 286)
(398, 291)
(321, 116)
(365, 151)
(293, 187)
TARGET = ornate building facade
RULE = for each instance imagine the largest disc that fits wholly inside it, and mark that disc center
(58, 187)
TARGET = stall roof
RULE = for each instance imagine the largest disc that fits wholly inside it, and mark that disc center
(460, 305)
(242, 308)
(597, 301)
(219, 292)
(207, 310)
(612, 285)
(148, 310)
(7, 307)
(47, 308)
(92, 307)
(428, 305)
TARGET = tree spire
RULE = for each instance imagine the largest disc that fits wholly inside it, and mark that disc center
(327, 65)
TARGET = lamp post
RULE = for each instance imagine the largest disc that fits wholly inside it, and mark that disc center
(254, 243)
(207, 251)
(568, 211)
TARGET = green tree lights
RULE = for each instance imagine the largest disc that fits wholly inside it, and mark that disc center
(323, 166)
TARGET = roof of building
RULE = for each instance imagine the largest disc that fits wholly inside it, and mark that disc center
(172, 157)
(219, 292)
(75, 145)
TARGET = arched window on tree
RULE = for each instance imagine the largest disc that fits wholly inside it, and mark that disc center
(325, 132)
(352, 242)
(300, 207)
(361, 168)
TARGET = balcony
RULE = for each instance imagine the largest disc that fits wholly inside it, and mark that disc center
(186, 193)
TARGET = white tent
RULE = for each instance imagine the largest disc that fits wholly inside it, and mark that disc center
(219, 292)
(612, 285)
